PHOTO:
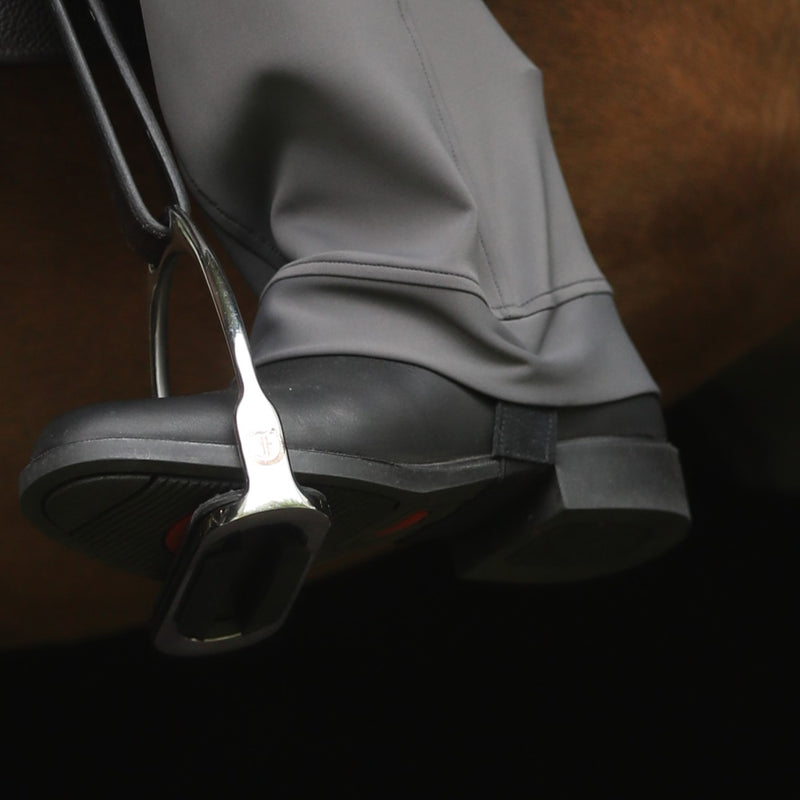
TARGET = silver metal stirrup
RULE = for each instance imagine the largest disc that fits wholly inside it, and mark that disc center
(246, 554)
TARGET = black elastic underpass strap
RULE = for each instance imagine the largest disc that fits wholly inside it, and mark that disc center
(147, 234)
(525, 433)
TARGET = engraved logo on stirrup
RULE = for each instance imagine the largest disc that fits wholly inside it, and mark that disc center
(266, 446)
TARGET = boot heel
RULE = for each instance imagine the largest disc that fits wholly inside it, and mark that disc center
(609, 503)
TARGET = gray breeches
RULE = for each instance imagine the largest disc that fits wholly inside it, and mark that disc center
(382, 172)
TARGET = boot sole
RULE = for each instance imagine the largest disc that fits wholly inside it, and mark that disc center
(609, 504)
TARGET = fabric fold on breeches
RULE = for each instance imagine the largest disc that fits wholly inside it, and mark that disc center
(382, 173)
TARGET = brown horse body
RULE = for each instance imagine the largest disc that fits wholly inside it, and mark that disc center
(678, 129)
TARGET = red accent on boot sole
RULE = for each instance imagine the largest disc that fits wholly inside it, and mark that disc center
(405, 523)
(175, 534)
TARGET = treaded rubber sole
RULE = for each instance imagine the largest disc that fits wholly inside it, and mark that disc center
(120, 504)
(609, 504)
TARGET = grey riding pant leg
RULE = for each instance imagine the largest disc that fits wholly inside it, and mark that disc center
(382, 172)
